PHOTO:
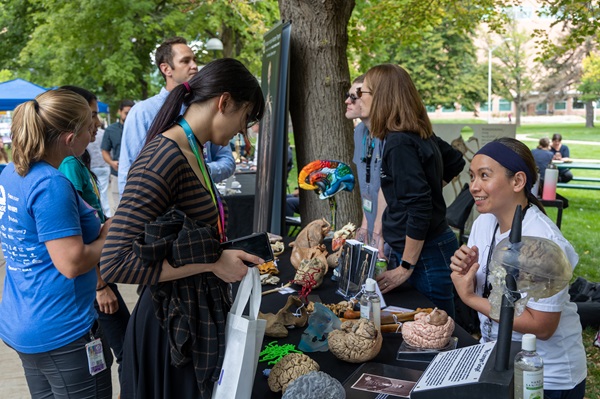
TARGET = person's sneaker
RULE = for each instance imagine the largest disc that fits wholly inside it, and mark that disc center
(597, 339)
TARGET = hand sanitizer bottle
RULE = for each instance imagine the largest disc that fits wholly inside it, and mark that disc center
(529, 370)
(370, 304)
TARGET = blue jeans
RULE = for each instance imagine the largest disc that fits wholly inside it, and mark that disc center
(576, 393)
(431, 276)
(64, 372)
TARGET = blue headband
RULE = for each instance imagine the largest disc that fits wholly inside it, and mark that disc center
(506, 157)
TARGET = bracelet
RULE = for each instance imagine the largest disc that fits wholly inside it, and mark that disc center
(103, 287)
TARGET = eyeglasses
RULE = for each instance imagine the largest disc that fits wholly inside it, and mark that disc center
(360, 92)
(353, 98)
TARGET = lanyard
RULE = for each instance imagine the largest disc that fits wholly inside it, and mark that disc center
(368, 147)
(487, 286)
(207, 179)
(94, 187)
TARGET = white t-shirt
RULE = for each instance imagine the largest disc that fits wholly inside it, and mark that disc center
(563, 354)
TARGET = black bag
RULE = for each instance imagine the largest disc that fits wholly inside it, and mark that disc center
(584, 291)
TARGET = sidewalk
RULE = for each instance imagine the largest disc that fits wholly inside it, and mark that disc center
(12, 379)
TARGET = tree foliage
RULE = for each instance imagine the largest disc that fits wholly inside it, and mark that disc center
(514, 78)
(433, 40)
(578, 20)
(590, 81)
(106, 47)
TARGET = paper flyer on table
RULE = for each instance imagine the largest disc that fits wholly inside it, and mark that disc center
(456, 367)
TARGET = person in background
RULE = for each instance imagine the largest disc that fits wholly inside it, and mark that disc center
(368, 152)
(177, 64)
(174, 347)
(542, 156)
(561, 153)
(100, 169)
(113, 314)
(412, 172)
(502, 175)
(47, 307)
(111, 148)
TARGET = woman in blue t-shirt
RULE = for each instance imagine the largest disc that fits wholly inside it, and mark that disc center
(51, 240)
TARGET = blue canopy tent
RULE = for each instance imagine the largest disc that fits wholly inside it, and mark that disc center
(17, 91)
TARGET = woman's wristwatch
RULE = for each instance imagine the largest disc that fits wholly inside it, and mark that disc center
(407, 265)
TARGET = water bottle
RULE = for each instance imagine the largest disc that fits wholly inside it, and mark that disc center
(550, 180)
(370, 304)
(529, 371)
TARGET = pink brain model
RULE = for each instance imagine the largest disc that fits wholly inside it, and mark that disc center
(430, 331)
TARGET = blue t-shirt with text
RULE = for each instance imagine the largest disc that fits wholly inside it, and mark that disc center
(41, 309)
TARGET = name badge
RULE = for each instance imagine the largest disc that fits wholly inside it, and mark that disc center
(95, 356)
(367, 205)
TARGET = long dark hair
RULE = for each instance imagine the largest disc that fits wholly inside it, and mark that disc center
(224, 75)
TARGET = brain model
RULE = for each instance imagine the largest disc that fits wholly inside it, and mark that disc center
(315, 385)
(288, 369)
(355, 341)
(430, 331)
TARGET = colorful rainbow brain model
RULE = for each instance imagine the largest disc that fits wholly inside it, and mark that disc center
(327, 177)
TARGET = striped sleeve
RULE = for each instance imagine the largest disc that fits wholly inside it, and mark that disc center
(159, 179)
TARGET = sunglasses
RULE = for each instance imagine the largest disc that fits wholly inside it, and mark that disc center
(360, 92)
(353, 98)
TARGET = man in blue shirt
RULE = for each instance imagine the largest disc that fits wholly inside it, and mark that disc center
(177, 63)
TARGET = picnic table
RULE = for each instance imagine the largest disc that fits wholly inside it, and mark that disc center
(591, 181)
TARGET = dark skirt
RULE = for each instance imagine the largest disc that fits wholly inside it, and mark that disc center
(147, 372)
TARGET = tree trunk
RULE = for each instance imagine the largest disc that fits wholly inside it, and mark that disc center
(589, 114)
(319, 76)
(518, 111)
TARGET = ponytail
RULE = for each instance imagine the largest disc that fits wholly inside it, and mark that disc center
(28, 137)
(225, 75)
(169, 112)
(38, 124)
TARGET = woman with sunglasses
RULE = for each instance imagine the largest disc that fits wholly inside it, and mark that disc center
(414, 222)
(502, 175)
(176, 351)
(367, 158)
(52, 241)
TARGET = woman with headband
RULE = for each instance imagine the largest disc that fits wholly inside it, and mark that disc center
(176, 351)
(502, 174)
(52, 241)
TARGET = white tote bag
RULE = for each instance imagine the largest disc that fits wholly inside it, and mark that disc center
(243, 341)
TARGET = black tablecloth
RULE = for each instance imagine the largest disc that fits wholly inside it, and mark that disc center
(241, 215)
(404, 296)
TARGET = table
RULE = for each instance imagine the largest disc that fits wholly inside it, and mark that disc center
(241, 206)
(403, 296)
(583, 166)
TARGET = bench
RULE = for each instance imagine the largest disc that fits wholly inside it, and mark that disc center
(581, 166)
(578, 186)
